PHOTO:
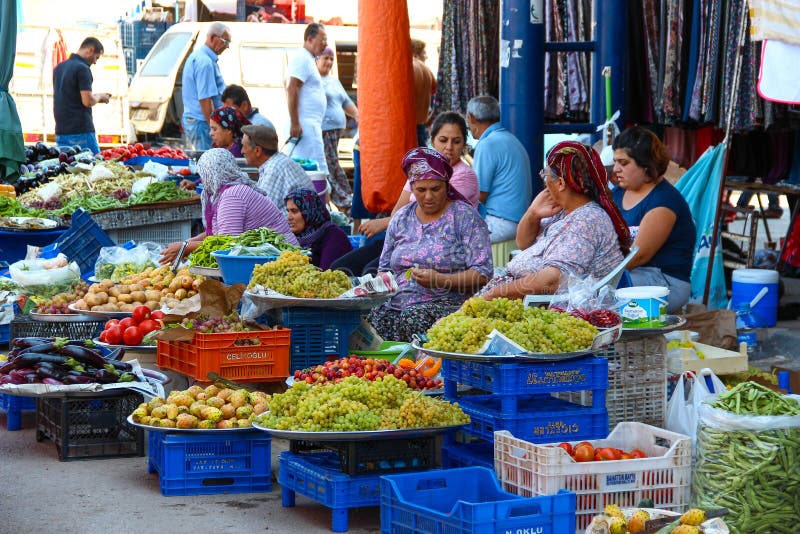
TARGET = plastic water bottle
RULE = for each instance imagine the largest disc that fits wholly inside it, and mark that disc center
(745, 328)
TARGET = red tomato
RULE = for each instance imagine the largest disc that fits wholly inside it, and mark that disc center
(584, 453)
(147, 326)
(625, 456)
(138, 147)
(608, 453)
(141, 313)
(157, 314)
(127, 322)
(567, 447)
(102, 336)
(132, 336)
(636, 453)
(185, 171)
(110, 323)
(114, 335)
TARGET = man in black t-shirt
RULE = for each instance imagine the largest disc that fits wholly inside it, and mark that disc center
(73, 98)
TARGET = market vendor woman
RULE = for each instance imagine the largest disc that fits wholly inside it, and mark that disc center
(437, 247)
(231, 204)
(659, 217)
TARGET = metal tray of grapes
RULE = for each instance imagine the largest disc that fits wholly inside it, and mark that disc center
(357, 435)
(495, 358)
(673, 322)
(209, 272)
(103, 314)
(189, 430)
(63, 317)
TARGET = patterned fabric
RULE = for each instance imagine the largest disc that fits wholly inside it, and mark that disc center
(581, 242)
(231, 119)
(427, 164)
(218, 168)
(401, 325)
(314, 213)
(279, 175)
(581, 168)
(457, 241)
(464, 180)
(668, 103)
(341, 192)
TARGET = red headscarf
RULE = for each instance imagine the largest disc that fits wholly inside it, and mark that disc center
(583, 171)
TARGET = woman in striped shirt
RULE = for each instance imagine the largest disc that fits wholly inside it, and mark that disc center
(231, 203)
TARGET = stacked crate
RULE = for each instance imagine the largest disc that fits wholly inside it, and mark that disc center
(318, 334)
(520, 398)
(138, 37)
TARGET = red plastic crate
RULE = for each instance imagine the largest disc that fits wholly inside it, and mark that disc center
(219, 353)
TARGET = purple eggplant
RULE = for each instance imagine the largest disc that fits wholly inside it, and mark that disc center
(52, 381)
(84, 355)
(32, 358)
(50, 371)
(25, 342)
(78, 379)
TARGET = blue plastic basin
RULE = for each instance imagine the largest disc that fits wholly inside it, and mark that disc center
(238, 269)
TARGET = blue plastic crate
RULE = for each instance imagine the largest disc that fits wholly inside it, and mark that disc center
(526, 378)
(318, 477)
(538, 419)
(14, 406)
(319, 334)
(14, 245)
(5, 333)
(81, 243)
(142, 32)
(480, 453)
(468, 500)
(198, 464)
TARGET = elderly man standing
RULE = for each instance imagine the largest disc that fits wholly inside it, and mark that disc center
(307, 101)
(503, 169)
(277, 173)
(203, 86)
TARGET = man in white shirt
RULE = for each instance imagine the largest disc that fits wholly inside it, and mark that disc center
(307, 101)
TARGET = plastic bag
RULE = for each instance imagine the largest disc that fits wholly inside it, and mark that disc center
(265, 249)
(577, 296)
(748, 464)
(115, 263)
(45, 278)
(682, 407)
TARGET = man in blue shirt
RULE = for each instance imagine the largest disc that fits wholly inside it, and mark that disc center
(503, 169)
(236, 96)
(203, 86)
(73, 98)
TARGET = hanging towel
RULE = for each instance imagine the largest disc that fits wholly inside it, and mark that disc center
(776, 82)
(775, 19)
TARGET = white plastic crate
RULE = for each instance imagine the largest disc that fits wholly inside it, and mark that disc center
(665, 476)
(637, 382)
(162, 233)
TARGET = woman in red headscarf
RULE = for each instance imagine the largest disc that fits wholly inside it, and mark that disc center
(571, 227)
(437, 246)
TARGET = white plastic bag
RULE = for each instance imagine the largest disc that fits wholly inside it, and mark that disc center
(45, 278)
(682, 415)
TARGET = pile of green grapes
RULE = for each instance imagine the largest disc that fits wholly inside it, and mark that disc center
(357, 404)
(535, 329)
(292, 274)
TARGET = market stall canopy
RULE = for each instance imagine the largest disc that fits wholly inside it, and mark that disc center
(12, 149)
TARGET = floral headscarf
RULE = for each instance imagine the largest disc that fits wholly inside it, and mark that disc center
(427, 164)
(314, 213)
(218, 169)
(231, 119)
(583, 171)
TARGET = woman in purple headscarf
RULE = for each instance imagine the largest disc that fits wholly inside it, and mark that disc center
(437, 247)
(310, 221)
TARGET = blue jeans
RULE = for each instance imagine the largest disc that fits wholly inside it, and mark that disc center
(198, 132)
(86, 140)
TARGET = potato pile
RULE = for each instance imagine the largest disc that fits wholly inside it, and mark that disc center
(205, 408)
(153, 288)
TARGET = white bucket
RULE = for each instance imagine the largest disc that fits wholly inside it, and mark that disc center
(643, 306)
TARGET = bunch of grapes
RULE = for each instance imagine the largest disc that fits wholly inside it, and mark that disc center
(52, 203)
(213, 325)
(292, 274)
(58, 304)
(535, 329)
(355, 404)
(368, 368)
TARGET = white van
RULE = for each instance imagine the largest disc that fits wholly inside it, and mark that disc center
(257, 59)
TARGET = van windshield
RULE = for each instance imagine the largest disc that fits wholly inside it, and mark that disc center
(165, 54)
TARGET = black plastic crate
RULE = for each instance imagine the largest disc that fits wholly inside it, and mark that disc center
(379, 456)
(90, 427)
(25, 326)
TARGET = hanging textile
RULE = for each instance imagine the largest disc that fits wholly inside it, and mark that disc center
(668, 102)
(12, 148)
(567, 90)
(59, 49)
(746, 112)
(775, 19)
(775, 81)
(469, 53)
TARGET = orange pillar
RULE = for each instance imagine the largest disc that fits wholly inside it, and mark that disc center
(385, 100)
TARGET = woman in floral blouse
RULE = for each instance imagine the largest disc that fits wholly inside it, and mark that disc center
(572, 227)
(437, 247)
